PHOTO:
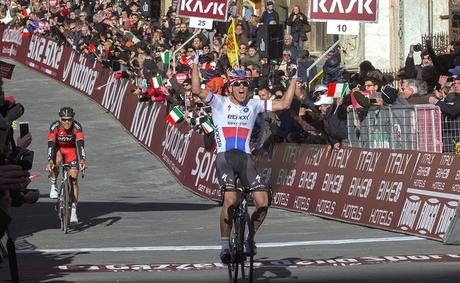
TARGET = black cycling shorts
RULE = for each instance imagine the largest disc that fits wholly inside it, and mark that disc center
(237, 163)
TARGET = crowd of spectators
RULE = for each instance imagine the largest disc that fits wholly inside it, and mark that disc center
(139, 47)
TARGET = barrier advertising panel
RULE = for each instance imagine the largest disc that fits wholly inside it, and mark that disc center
(432, 197)
(398, 190)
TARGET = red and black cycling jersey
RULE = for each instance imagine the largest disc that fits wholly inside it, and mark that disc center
(58, 137)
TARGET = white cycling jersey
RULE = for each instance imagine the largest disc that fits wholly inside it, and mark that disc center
(233, 123)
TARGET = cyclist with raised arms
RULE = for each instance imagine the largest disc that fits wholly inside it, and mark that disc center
(66, 145)
(233, 117)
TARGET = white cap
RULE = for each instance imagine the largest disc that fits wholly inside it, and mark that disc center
(324, 99)
(320, 87)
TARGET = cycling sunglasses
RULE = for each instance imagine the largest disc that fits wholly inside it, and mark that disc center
(239, 83)
(66, 119)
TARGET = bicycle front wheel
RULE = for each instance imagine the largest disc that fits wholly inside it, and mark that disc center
(237, 250)
(66, 206)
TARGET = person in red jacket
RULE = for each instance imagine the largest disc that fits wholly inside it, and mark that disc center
(66, 145)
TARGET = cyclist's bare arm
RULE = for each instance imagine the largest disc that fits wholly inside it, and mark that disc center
(196, 84)
(285, 101)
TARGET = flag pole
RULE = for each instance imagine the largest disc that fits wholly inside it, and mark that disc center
(236, 44)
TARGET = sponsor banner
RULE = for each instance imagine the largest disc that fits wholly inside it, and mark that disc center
(352, 10)
(205, 9)
(294, 176)
(426, 213)
(113, 93)
(263, 264)
(432, 198)
(12, 40)
(80, 72)
(437, 173)
(175, 146)
(364, 186)
(44, 55)
(200, 171)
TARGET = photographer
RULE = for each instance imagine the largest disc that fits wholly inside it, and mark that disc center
(410, 64)
(15, 162)
(447, 96)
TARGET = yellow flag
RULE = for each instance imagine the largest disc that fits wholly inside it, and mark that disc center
(316, 80)
(232, 46)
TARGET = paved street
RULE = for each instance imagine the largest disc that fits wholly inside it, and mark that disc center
(139, 225)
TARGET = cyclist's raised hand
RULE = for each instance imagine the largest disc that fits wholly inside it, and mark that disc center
(82, 165)
(49, 166)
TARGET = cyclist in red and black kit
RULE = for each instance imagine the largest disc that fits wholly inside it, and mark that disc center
(66, 145)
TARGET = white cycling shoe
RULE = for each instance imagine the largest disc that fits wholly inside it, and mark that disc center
(73, 214)
(54, 192)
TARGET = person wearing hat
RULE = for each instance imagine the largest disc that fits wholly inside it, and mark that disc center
(269, 15)
(334, 117)
(448, 103)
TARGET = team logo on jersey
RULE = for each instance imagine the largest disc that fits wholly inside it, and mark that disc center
(246, 109)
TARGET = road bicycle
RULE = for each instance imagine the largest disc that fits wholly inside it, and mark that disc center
(64, 200)
(241, 260)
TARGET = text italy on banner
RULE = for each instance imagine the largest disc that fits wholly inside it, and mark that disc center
(232, 47)
(207, 126)
(174, 115)
(337, 89)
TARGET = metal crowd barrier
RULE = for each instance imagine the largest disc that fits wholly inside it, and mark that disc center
(451, 134)
(414, 127)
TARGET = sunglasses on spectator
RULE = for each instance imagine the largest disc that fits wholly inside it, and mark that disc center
(239, 83)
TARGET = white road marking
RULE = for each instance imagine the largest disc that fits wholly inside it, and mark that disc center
(201, 248)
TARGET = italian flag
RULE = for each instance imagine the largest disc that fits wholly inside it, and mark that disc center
(25, 33)
(165, 57)
(207, 126)
(156, 82)
(174, 115)
(337, 89)
(26, 11)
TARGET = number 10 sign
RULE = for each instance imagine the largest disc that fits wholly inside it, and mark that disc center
(200, 23)
(342, 27)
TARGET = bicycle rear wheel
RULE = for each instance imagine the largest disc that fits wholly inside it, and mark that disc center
(60, 207)
(250, 248)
